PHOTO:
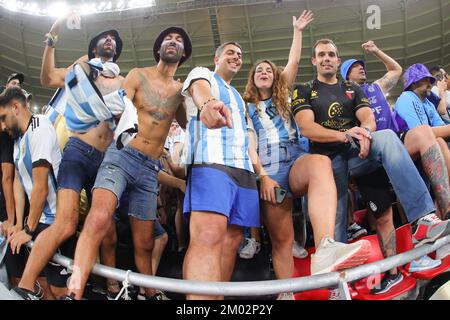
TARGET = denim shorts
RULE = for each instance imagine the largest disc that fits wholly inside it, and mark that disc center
(278, 160)
(79, 166)
(130, 170)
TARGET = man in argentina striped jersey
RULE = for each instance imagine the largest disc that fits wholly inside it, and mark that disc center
(37, 158)
(221, 194)
(85, 87)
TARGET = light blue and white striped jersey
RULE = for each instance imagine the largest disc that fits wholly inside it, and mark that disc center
(56, 104)
(271, 128)
(219, 146)
(82, 104)
(39, 144)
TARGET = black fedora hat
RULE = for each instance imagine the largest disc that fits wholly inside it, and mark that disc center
(95, 39)
(186, 40)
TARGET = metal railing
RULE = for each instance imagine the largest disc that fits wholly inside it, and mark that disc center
(257, 288)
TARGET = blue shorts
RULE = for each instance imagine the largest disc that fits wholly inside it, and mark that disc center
(130, 170)
(79, 166)
(225, 190)
(279, 159)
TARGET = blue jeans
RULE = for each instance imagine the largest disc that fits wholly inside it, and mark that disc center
(79, 165)
(130, 170)
(279, 166)
(388, 151)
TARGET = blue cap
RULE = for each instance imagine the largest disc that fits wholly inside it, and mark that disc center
(347, 65)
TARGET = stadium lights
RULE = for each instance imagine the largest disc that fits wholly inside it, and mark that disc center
(85, 7)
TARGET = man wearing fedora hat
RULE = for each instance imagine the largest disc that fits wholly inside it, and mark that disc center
(89, 140)
(157, 98)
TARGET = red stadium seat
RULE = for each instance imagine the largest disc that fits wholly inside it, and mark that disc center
(361, 288)
(360, 216)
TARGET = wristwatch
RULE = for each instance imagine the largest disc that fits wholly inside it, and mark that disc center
(28, 231)
(368, 130)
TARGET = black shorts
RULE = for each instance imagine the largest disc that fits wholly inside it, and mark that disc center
(376, 191)
(56, 274)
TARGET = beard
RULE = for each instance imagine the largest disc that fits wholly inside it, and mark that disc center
(108, 54)
(171, 57)
(14, 132)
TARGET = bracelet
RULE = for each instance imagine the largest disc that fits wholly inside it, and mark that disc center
(50, 40)
(206, 102)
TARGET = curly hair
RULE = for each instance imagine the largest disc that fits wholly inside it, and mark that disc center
(280, 90)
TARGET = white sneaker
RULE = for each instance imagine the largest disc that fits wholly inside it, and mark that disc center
(251, 248)
(298, 251)
(442, 252)
(331, 255)
(286, 296)
(423, 263)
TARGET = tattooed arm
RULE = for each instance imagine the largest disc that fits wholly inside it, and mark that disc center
(394, 70)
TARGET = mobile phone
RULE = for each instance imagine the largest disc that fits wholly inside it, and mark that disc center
(353, 143)
(280, 194)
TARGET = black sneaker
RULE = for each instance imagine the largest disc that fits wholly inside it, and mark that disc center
(388, 281)
(69, 297)
(159, 295)
(26, 294)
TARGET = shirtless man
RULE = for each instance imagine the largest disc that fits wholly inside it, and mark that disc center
(83, 153)
(134, 168)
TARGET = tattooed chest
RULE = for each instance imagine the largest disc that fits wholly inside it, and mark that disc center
(159, 110)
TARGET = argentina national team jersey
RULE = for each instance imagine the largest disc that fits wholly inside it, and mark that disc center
(216, 146)
(269, 126)
(37, 145)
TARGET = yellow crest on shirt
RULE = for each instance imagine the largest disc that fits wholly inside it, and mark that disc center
(295, 94)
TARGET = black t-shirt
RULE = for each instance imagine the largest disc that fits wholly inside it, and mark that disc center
(334, 107)
(6, 155)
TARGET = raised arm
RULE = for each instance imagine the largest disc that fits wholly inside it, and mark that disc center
(50, 75)
(299, 24)
(394, 70)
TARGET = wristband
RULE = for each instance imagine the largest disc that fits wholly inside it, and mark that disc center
(368, 130)
(50, 40)
(206, 102)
